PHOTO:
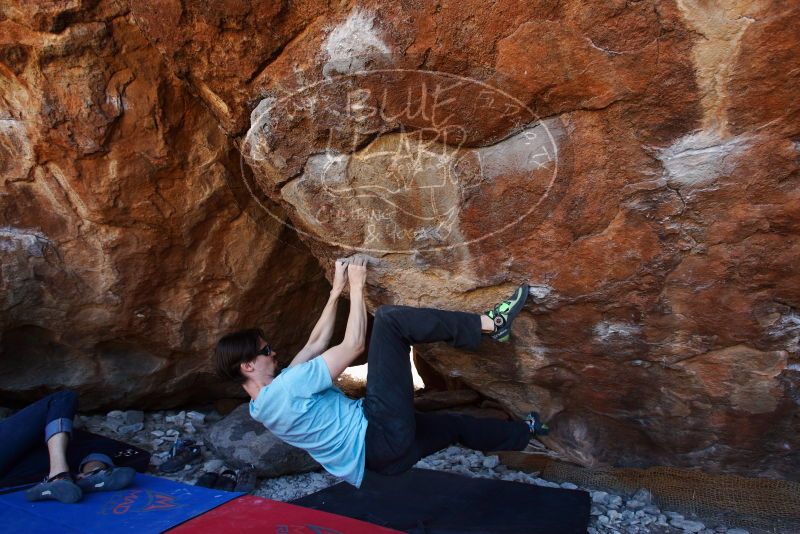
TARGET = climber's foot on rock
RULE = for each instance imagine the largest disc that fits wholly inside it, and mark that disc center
(503, 314)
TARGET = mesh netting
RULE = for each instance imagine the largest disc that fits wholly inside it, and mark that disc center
(757, 504)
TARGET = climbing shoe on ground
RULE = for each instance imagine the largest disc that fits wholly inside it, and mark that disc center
(106, 479)
(60, 487)
(536, 425)
(504, 313)
(184, 452)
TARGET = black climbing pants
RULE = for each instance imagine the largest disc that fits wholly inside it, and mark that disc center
(398, 436)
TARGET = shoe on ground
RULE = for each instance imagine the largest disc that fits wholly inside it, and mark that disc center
(207, 480)
(184, 452)
(226, 481)
(246, 481)
(60, 487)
(504, 313)
(107, 479)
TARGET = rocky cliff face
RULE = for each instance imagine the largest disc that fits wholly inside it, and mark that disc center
(124, 251)
(636, 162)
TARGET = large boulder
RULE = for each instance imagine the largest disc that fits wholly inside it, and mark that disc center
(242, 441)
(636, 162)
(124, 251)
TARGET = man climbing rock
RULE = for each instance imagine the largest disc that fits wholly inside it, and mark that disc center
(382, 431)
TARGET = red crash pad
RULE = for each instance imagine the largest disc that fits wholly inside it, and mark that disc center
(254, 514)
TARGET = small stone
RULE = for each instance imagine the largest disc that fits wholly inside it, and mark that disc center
(134, 416)
(687, 525)
(597, 511)
(157, 433)
(196, 417)
(643, 495)
(652, 509)
(213, 465)
(115, 419)
(628, 516)
(157, 443)
(189, 427)
(738, 531)
(616, 500)
(613, 515)
(673, 515)
(569, 485)
(172, 432)
(600, 497)
(177, 419)
(131, 429)
(490, 462)
(633, 504)
(603, 519)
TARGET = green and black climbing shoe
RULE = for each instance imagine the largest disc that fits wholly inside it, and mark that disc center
(538, 428)
(504, 313)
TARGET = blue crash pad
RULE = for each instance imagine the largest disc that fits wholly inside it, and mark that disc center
(150, 504)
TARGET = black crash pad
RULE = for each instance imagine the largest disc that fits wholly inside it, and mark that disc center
(432, 502)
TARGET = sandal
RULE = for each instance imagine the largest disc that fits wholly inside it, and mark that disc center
(207, 480)
(226, 480)
(246, 481)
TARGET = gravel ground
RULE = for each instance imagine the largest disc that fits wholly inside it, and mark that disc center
(157, 431)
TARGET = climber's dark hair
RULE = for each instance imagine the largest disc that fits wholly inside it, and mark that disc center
(235, 349)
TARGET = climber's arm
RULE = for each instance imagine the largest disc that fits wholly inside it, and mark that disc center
(320, 337)
(339, 357)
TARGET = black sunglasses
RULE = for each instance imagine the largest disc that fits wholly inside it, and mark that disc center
(266, 351)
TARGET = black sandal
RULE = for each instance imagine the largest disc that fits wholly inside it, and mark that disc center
(226, 480)
(246, 481)
(207, 480)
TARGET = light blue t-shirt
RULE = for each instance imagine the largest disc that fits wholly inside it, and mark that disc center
(302, 407)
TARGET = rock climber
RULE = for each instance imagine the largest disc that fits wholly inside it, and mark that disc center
(381, 432)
